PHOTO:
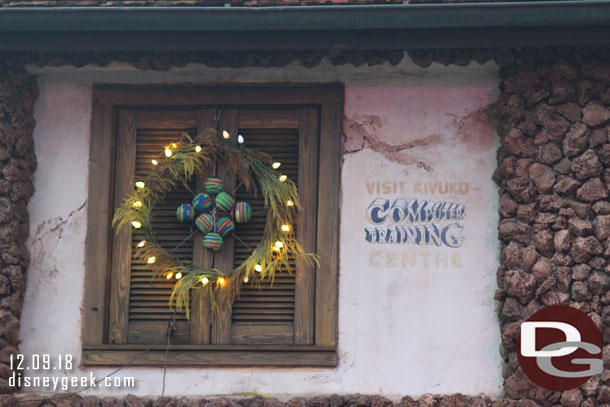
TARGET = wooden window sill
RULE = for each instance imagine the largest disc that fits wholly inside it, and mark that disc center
(211, 355)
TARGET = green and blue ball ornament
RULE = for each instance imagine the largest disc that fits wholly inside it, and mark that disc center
(203, 203)
(205, 223)
(242, 212)
(224, 226)
(212, 241)
(224, 201)
(185, 213)
(213, 185)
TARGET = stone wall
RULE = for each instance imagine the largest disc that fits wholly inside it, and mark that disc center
(553, 174)
(18, 93)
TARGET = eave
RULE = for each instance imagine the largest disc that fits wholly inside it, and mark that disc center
(401, 26)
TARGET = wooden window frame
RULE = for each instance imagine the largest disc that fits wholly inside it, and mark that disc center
(107, 99)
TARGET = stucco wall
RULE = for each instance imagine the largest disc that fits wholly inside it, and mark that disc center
(399, 327)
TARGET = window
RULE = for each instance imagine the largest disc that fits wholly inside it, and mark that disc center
(291, 323)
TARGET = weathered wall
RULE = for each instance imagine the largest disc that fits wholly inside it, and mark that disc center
(553, 178)
(387, 336)
(18, 93)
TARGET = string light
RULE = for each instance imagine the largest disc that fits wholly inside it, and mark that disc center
(286, 228)
(168, 152)
(197, 149)
(245, 279)
(283, 178)
(240, 139)
(279, 244)
(136, 224)
(289, 203)
(154, 162)
(151, 259)
(221, 281)
(142, 243)
(140, 184)
(204, 280)
(169, 275)
(137, 204)
(276, 165)
(225, 135)
(258, 268)
(174, 145)
(178, 275)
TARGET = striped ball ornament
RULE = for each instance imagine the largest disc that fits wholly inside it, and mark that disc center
(242, 212)
(205, 223)
(212, 241)
(185, 213)
(224, 201)
(213, 185)
(224, 226)
(203, 203)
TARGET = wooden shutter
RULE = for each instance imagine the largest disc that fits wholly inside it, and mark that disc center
(145, 300)
(280, 313)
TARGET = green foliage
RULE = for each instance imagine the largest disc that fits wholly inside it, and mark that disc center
(250, 168)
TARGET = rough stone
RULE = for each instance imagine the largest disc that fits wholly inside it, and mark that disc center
(567, 186)
(561, 241)
(592, 190)
(580, 271)
(601, 226)
(583, 248)
(544, 242)
(580, 227)
(542, 176)
(601, 208)
(572, 398)
(580, 291)
(599, 283)
(576, 140)
(550, 153)
(520, 284)
(587, 165)
(511, 255)
(595, 114)
(542, 269)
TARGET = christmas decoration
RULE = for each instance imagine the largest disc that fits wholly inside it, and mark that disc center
(205, 223)
(213, 185)
(242, 212)
(224, 201)
(203, 203)
(224, 226)
(176, 165)
(212, 241)
(185, 213)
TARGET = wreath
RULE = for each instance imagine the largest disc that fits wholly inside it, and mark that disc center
(213, 213)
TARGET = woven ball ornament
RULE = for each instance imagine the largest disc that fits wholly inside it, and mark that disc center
(185, 213)
(203, 203)
(213, 185)
(224, 226)
(242, 212)
(224, 201)
(212, 241)
(205, 223)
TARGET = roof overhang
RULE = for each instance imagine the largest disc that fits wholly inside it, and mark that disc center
(396, 26)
